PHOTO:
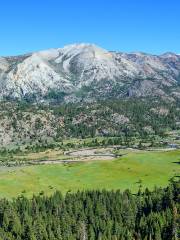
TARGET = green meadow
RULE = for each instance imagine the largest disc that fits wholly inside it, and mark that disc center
(144, 168)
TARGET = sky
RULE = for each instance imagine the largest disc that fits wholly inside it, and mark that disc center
(151, 26)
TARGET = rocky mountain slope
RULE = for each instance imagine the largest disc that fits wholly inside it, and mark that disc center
(25, 123)
(86, 72)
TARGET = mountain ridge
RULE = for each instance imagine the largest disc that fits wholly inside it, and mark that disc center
(86, 72)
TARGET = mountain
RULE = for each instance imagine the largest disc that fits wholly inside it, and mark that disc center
(85, 72)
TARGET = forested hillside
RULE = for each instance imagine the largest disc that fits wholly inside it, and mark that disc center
(102, 215)
(27, 123)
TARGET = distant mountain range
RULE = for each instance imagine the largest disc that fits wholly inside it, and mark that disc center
(85, 72)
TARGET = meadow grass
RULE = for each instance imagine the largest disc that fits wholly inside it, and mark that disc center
(130, 171)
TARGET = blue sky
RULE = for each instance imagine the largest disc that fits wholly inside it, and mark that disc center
(126, 25)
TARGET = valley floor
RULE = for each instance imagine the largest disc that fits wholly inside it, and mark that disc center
(134, 169)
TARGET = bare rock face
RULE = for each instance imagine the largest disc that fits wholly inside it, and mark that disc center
(86, 72)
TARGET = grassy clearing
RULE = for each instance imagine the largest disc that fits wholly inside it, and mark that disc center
(135, 168)
(46, 155)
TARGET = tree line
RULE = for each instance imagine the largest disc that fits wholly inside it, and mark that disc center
(95, 214)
